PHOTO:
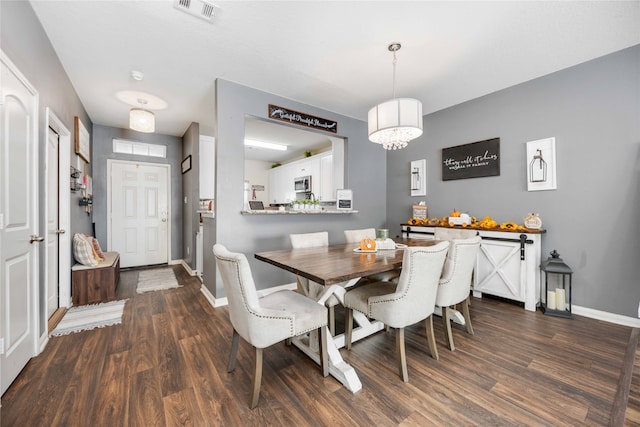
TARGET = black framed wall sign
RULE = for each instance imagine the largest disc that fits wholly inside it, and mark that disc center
(473, 160)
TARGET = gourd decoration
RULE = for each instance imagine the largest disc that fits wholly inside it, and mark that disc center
(367, 244)
(455, 213)
(533, 221)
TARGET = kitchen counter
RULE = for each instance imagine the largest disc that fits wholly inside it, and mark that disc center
(299, 212)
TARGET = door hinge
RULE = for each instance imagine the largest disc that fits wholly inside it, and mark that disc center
(1, 221)
(1, 345)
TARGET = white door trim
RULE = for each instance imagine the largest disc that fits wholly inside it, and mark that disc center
(35, 207)
(64, 254)
(110, 163)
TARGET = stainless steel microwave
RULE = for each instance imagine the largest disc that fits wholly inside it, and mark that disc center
(303, 184)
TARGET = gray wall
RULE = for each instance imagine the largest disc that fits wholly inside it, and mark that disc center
(250, 234)
(103, 150)
(23, 40)
(593, 111)
(191, 190)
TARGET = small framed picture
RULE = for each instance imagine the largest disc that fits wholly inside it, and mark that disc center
(83, 140)
(186, 164)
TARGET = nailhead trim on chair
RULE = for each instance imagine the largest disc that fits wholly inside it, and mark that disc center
(291, 329)
(406, 290)
(455, 259)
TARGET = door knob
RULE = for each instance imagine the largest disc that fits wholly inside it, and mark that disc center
(60, 231)
(164, 219)
(34, 238)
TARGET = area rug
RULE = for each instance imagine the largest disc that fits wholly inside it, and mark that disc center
(155, 280)
(86, 317)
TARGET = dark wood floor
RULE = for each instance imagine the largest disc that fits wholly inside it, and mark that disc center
(165, 365)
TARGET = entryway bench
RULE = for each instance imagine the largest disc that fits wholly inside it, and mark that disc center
(94, 284)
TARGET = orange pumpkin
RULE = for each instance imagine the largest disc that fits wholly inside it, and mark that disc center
(455, 213)
(367, 244)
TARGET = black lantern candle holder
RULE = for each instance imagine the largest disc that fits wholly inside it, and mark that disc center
(557, 302)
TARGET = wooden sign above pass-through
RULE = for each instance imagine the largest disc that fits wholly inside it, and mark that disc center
(302, 119)
(473, 160)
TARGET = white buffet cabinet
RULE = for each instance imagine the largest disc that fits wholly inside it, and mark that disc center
(507, 265)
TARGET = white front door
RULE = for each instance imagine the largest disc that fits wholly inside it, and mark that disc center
(18, 222)
(139, 211)
(52, 222)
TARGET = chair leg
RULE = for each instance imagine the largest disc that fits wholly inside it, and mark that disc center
(447, 327)
(324, 354)
(257, 378)
(402, 356)
(332, 321)
(348, 327)
(431, 338)
(467, 316)
(234, 351)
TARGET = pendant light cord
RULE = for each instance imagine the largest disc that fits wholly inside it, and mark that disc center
(395, 60)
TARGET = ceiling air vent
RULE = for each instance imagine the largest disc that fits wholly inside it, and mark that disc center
(203, 9)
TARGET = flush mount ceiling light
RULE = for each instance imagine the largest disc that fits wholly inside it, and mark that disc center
(142, 120)
(395, 122)
(262, 144)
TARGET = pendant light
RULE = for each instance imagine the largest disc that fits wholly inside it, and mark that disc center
(395, 122)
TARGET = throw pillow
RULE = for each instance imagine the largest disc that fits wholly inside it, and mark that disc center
(83, 251)
(96, 248)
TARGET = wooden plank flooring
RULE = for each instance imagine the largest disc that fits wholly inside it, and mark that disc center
(165, 365)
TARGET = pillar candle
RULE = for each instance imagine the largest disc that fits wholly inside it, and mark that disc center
(560, 299)
(551, 300)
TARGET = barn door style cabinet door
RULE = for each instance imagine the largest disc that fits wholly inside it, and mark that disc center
(507, 265)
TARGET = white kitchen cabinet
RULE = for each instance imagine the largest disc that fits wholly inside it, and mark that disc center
(281, 184)
(318, 167)
(326, 190)
(507, 265)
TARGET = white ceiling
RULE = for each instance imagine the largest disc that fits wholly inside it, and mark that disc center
(329, 54)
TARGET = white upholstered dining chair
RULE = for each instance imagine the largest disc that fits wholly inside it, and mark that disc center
(355, 236)
(409, 301)
(455, 284)
(265, 321)
(443, 233)
(306, 286)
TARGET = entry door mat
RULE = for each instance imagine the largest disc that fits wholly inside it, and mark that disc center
(87, 317)
(155, 280)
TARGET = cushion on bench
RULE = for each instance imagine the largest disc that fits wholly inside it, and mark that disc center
(110, 259)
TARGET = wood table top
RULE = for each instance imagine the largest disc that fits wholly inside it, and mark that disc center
(338, 263)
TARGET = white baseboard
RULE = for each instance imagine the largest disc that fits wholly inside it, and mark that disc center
(44, 339)
(220, 302)
(606, 316)
(209, 296)
(184, 264)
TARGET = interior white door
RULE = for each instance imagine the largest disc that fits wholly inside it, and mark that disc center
(139, 213)
(18, 222)
(53, 227)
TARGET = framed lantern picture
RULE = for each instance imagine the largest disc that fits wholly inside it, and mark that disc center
(541, 165)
